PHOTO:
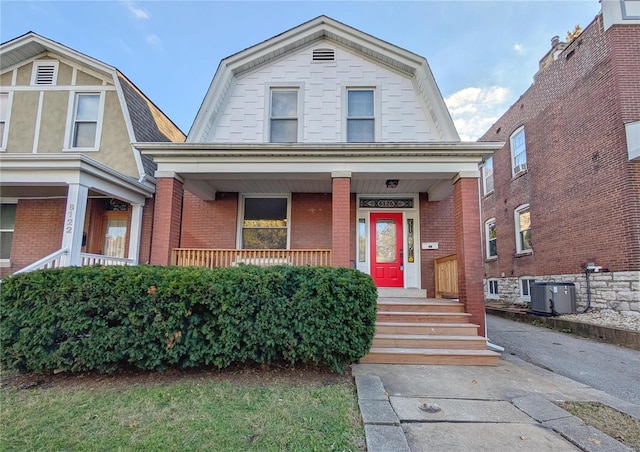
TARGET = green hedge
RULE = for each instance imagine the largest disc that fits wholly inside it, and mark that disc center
(146, 317)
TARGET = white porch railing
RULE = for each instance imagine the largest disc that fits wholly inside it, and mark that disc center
(99, 259)
(50, 261)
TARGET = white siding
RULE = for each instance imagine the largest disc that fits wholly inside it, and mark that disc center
(401, 114)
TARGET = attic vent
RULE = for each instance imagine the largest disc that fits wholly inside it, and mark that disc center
(44, 74)
(324, 55)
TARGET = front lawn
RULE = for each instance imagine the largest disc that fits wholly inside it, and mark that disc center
(197, 411)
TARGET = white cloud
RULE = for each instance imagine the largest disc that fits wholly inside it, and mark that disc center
(519, 48)
(136, 11)
(474, 110)
(153, 39)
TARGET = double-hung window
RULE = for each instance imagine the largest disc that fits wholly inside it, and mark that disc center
(492, 288)
(7, 223)
(85, 129)
(265, 223)
(523, 229)
(525, 287)
(4, 119)
(284, 115)
(487, 176)
(490, 234)
(518, 151)
(360, 116)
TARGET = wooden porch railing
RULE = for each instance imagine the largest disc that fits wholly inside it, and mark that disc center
(231, 258)
(446, 270)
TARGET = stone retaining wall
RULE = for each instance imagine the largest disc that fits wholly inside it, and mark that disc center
(614, 291)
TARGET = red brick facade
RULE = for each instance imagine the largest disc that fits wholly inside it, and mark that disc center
(583, 192)
(209, 224)
(166, 220)
(341, 223)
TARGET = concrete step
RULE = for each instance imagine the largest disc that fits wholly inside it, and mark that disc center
(430, 356)
(429, 342)
(427, 328)
(399, 292)
(418, 305)
(423, 317)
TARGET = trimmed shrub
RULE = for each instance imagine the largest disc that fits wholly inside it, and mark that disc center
(147, 317)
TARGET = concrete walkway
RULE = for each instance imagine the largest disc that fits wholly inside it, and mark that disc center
(467, 408)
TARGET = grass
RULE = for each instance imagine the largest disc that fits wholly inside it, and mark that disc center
(187, 415)
(617, 425)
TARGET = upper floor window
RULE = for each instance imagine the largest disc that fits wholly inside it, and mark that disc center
(7, 224)
(265, 222)
(490, 234)
(523, 229)
(284, 116)
(44, 72)
(518, 151)
(86, 120)
(360, 116)
(4, 119)
(487, 176)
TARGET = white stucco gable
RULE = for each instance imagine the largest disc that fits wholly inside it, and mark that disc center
(408, 103)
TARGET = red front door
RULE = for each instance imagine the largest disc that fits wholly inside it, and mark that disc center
(387, 265)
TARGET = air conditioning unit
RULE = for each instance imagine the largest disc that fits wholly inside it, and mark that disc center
(552, 298)
(520, 168)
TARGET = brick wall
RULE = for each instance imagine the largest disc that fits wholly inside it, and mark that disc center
(311, 221)
(147, 230)
(209, 224)
(37, 231)
(584, 194)
(166, 220)
(342, 219)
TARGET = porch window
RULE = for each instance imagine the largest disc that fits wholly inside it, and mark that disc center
(86, 118)
(265, 223)
(7, 224)
(523, 229)
(360, 116)
(4, 117)
(284, 116)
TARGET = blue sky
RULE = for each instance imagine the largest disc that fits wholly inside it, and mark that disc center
(483, 54)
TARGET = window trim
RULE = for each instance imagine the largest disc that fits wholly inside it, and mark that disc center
(485, 177)
(300, 106)
(523, 166)
(71, 115)
(516, 216)
(5, 135)
(39, 63)
(487, 240)
(240, 222)
(376, 108)
(521, 281)
(490, 294)
(4, 263)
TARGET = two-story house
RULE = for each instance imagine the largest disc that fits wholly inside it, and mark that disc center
(73, 189)
(561, 199)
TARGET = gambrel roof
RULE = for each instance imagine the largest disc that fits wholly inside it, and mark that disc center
(323, 27)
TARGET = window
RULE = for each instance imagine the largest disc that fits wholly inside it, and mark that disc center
(360, 116)
(492, 288)
(523, 229)
(265, 222)
(44, 73)
(4, 119)
(525, 287)
(86, 115)
(487, 176)
(490, 234)
(518, 151)
(284, 116)
(7, 223)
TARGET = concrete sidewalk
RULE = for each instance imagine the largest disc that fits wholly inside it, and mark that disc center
(461, 408)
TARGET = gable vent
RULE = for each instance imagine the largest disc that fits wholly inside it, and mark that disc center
(45, 74)
(324, 55)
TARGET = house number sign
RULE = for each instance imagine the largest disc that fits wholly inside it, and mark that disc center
(69, 226)
(386, 203)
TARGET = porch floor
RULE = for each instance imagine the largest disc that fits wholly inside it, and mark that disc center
(419, 330)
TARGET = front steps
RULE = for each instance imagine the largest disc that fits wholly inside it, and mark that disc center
(420, 331)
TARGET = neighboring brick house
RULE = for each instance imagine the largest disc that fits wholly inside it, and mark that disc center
(73, 189)
(324, 142)
(564, 191)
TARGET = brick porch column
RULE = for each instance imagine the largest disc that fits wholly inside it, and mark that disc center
(167, 218)
(469, 247)
(340, 218)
